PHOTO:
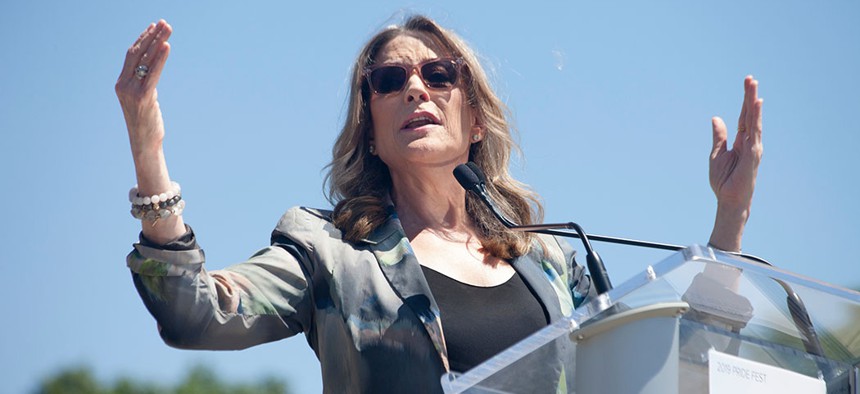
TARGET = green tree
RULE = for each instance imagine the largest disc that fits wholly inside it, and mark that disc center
(198, 380)
(73, 380)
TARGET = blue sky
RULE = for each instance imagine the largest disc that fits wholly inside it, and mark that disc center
(612, 102)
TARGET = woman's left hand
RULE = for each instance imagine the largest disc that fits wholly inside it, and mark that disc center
(733, 172)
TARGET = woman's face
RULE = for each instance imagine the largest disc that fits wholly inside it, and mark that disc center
(419, 126)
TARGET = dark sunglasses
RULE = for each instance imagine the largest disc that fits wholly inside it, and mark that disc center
(391, 77)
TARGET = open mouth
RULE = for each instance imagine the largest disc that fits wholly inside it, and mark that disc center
(420, 120)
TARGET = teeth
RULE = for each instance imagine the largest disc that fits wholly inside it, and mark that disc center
(421, 120)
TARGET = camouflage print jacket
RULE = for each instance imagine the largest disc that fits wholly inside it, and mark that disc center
(365, 308)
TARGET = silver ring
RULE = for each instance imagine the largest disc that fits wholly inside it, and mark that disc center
(141, 71)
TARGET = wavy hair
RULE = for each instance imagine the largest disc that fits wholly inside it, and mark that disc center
(359, 183)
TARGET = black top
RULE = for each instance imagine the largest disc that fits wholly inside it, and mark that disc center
(479, 322)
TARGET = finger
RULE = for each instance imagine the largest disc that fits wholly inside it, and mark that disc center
(757, 128)
(158, 60)
(744, 105)
(750, 98)
(132, 56)
(142, 53)
(153, 43)
(145, 44)
(160, 34)
(156, 53)
(720, 135)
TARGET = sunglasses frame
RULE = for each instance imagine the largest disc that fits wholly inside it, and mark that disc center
(458, 63)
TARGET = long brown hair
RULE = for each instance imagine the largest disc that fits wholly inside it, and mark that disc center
(359, 182)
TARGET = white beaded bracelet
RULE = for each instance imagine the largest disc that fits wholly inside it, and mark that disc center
(136, 199)
(157, 206)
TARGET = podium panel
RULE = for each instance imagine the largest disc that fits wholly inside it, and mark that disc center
(700, 321)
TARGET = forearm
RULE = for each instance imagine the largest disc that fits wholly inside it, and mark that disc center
(726, 235)
(153, 178)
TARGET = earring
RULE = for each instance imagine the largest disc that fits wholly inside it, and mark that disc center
(372, 149)
(476, 137)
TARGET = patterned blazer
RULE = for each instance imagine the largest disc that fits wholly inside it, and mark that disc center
(365, 308)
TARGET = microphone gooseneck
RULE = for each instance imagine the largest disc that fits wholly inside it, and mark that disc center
(473, 179)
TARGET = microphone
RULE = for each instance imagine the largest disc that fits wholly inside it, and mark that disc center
(475, 182)
(473, 179)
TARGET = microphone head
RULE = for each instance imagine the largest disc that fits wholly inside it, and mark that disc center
(467, 177)
(482, 179)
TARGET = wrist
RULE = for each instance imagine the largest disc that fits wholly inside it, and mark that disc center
(729, 226)
(147, 151)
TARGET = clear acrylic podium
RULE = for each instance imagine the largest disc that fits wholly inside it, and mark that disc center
(700, 321)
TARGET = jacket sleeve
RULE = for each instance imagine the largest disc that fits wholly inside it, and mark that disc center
(263, 299)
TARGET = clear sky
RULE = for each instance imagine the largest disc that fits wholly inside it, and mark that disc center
(613, 105)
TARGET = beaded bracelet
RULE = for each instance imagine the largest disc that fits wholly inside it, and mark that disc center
(157, 206)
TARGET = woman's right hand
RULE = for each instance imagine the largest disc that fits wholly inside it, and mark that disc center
(139, 100)
(137, 95)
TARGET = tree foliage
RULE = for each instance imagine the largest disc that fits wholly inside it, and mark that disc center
(199, 380)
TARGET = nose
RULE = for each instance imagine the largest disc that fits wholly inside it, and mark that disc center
(415, 88)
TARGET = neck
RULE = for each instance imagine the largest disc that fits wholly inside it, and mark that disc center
(430, 199)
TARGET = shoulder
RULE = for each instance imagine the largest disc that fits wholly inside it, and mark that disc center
(305, 226)
(303, 218)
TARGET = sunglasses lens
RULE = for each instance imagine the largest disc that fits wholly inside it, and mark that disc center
(387, 79)
(440, 74)
(437, 74)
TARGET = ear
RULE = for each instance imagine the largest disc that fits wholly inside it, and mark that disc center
(477, 123)
(476, 119)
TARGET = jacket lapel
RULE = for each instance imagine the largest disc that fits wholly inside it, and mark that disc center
(536, 280)
(547, 283)
(400, 266)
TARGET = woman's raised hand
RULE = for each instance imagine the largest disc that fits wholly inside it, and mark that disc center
(135, 88)
(733, 172)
